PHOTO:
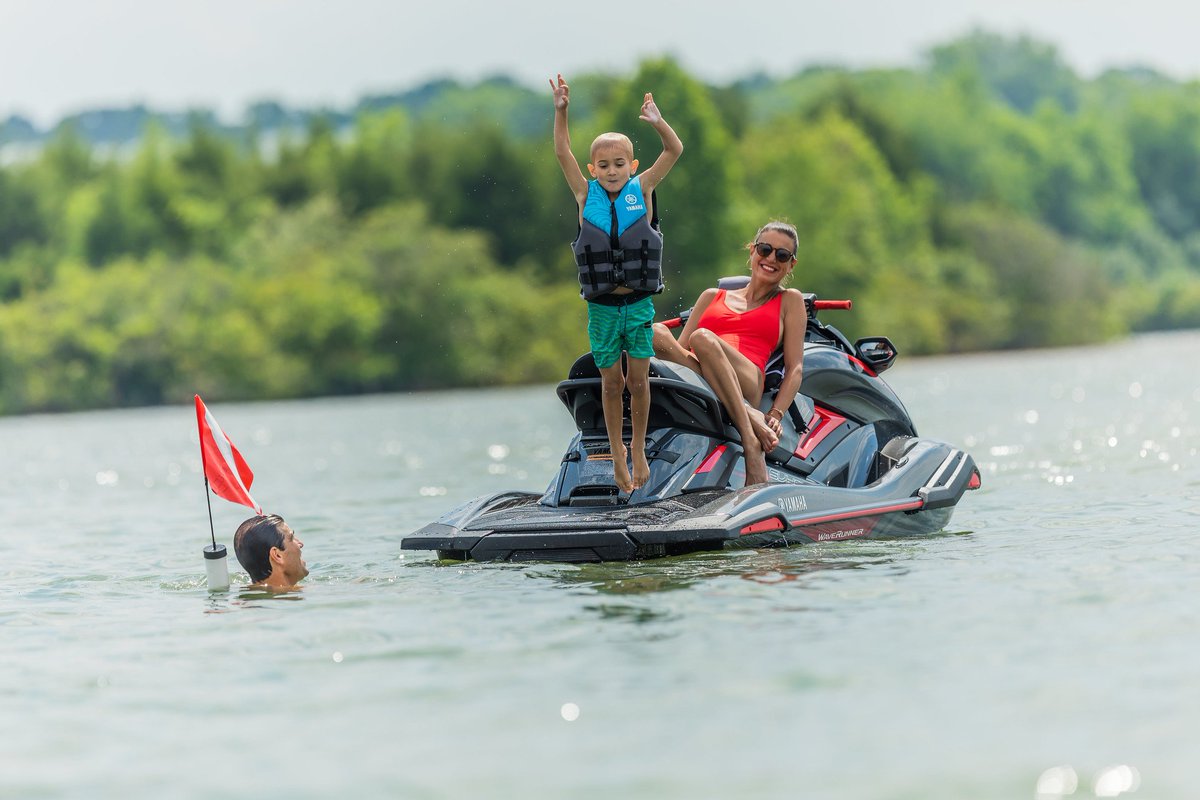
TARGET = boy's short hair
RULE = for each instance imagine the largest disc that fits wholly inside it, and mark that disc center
(611, 139)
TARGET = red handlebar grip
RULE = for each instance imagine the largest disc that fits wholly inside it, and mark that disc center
(673, 323)
(842, 305)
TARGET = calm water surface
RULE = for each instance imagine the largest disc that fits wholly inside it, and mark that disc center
(1053, 625)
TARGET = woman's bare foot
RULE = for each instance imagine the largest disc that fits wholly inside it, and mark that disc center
(755, 462)
(641, 468)
(766, 437)
(756, 467)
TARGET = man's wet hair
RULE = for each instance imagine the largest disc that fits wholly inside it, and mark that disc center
(253, 542)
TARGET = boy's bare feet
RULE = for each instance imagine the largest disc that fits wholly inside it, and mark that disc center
(621, 471)
(641, 468)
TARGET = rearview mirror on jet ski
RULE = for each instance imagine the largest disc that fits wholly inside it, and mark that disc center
(877, 352)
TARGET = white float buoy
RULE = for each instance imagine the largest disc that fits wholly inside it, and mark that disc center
(217, 566)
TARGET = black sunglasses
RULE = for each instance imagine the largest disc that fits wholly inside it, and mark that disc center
(782, 255)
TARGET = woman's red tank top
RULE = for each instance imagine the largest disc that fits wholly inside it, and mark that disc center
(755, 333)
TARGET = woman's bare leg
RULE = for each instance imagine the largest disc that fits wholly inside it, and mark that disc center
(747, 375)
(751, 381)
(668, 348)
(719, 372)
(750, 378)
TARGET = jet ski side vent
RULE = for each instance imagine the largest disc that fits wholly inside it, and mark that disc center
(570, 555)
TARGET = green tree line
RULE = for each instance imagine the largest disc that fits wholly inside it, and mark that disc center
(989, 199)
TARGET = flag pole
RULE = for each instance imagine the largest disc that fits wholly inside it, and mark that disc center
(208, 499)
(207, 492)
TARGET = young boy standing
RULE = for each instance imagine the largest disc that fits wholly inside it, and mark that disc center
(619, 255)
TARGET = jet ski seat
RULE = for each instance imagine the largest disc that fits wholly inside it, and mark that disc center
(679, 398)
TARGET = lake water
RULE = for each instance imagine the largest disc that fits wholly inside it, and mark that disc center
(1049, 637)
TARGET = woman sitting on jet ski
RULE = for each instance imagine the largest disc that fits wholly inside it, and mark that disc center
(731, 334)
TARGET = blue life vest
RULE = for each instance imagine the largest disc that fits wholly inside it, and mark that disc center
(617, 244)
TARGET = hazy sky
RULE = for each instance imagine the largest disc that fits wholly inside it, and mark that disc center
(61, 56)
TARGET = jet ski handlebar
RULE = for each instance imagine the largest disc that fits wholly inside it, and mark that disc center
(813, 304)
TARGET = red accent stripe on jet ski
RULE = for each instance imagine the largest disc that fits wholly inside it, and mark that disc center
(823, 422)
(864, 366)
(768, 524)
(872, 511)
(711, 461)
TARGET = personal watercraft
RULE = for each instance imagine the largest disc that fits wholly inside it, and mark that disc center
(849, 465)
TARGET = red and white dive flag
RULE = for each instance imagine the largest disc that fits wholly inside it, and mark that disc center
(224, 467)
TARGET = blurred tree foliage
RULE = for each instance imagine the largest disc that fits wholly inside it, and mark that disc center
(990, 199)
(1022, 72)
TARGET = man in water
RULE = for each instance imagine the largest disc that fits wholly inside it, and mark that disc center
(269, 550)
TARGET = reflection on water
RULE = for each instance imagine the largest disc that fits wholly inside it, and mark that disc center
(628, 613)
(252, 593)
(767, 567)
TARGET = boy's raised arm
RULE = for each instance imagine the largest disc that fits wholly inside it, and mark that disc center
(562, 142)
(672, 147)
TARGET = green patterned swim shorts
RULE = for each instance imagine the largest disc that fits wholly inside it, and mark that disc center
(612, 329)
